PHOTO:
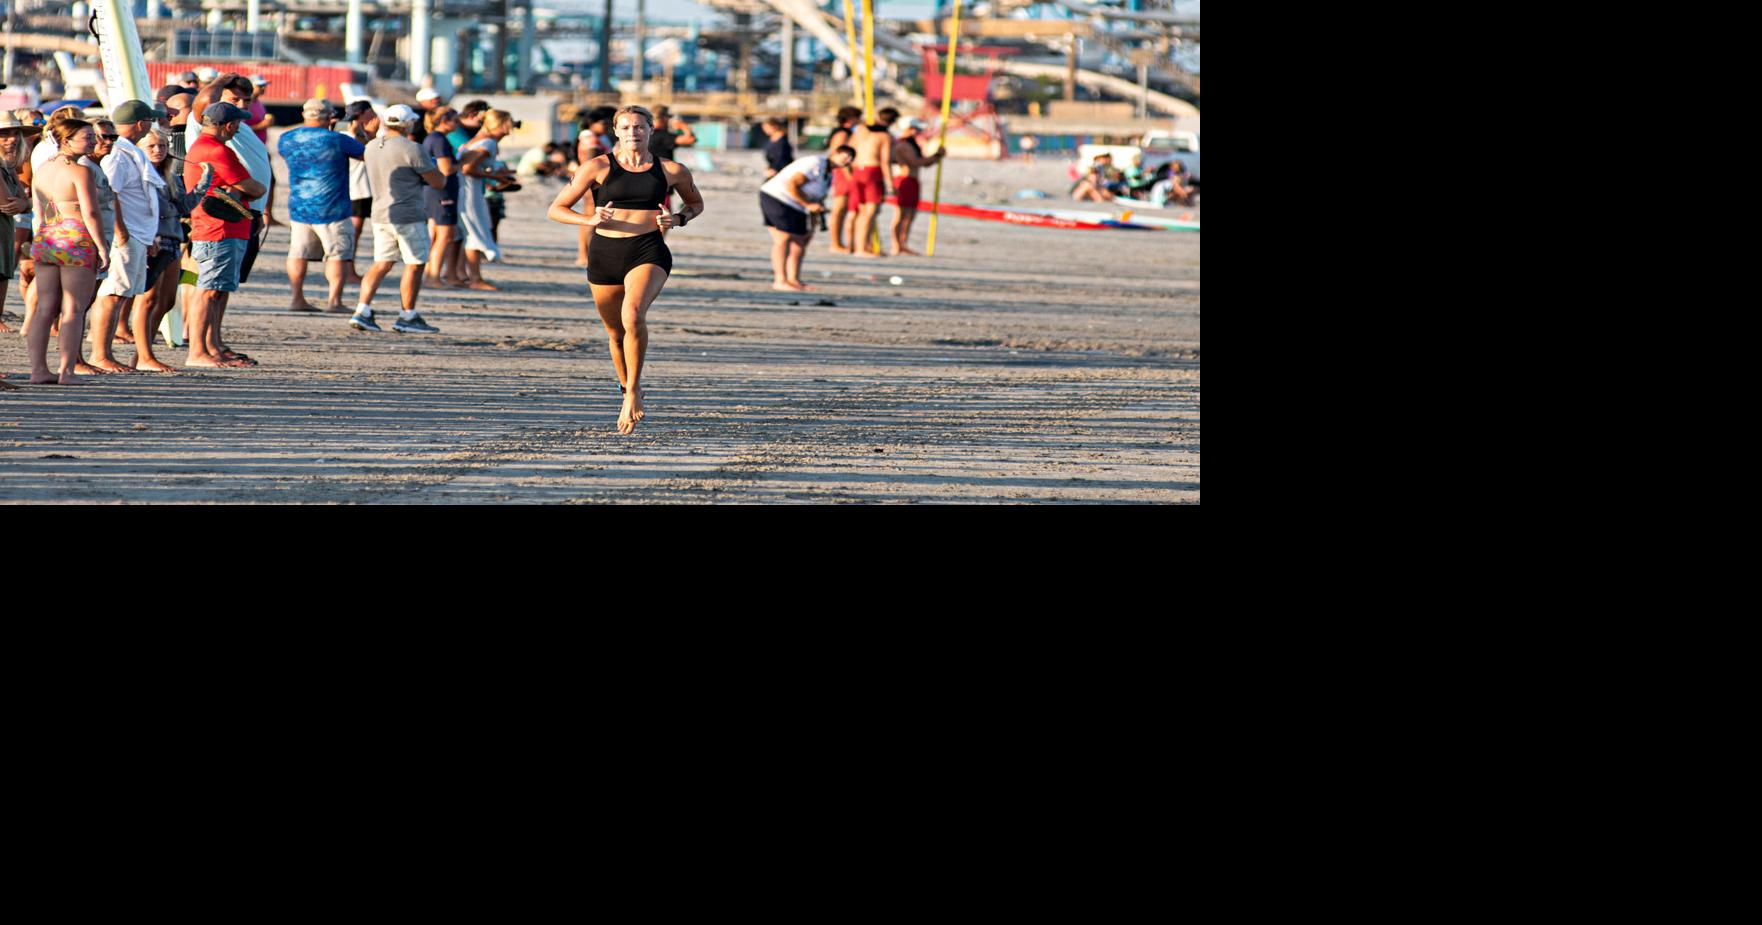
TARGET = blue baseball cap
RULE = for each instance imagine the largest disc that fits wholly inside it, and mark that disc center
(221, 114)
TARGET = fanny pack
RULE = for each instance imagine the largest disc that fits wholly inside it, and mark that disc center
(224, 207)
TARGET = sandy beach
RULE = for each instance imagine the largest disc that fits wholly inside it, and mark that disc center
(1017, 365)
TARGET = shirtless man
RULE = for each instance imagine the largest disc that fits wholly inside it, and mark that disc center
(872, 177)
(907, 158)
(842, 217)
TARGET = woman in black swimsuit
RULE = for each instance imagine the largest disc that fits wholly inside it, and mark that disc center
(629, 262)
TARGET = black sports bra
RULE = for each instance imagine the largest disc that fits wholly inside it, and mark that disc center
(633, 190)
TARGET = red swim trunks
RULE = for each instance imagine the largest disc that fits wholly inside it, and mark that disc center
(908, 191)
(840, 182)
(867, 186)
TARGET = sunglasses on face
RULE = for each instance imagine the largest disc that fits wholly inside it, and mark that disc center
(109, 137)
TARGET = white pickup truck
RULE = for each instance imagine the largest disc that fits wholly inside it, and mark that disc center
(1158, 147)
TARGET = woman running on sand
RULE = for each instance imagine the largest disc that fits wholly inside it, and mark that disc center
(629, 263)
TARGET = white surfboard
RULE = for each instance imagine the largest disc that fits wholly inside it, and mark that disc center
(119, 51)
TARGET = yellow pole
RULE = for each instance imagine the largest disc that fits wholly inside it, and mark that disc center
(869, 61)
(954, 37)
(850, 38)
(869, 100)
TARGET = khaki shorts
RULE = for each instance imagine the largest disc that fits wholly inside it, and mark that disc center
(335, 241)
(410, 240)
(128, 268)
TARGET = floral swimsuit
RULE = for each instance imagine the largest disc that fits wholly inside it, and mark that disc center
(62, 240)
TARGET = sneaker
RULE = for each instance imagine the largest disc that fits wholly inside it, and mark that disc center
(414, 326)
(362, 322)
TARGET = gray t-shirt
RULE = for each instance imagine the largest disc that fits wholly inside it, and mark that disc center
(394, 168)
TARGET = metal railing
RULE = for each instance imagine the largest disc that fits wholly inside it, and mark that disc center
(225, 43)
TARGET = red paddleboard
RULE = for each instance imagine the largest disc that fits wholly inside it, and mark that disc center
(1013, 218)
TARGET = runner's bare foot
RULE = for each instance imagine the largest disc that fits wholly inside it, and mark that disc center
(154, 366)
(626, 423)
(481, 285)
(636, 407)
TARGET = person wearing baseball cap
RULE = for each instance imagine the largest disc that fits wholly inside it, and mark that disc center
(260, 120)
(217, 244)
(236, 90)
(907, 159)
(318, 201)
(361, 123)
(399, 170)
(427, 100)
(136, 185)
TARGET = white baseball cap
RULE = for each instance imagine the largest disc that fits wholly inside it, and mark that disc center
(427, 93)
(399, 116)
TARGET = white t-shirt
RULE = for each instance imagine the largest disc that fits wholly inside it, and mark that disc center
(359, 186)
(819, 180)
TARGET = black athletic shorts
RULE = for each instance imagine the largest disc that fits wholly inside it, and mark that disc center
(168, 255)
(252, 246)
(361, 208)
(610, 258)
(782, 217)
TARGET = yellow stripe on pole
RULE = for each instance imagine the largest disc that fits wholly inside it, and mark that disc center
(869, 61)
(954, 37)
(850, 40)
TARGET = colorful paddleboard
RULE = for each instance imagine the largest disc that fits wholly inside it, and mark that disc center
(1166, 224)
(1025, 217)
(1128, 217)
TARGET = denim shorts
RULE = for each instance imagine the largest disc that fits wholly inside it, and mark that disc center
(219, 262)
